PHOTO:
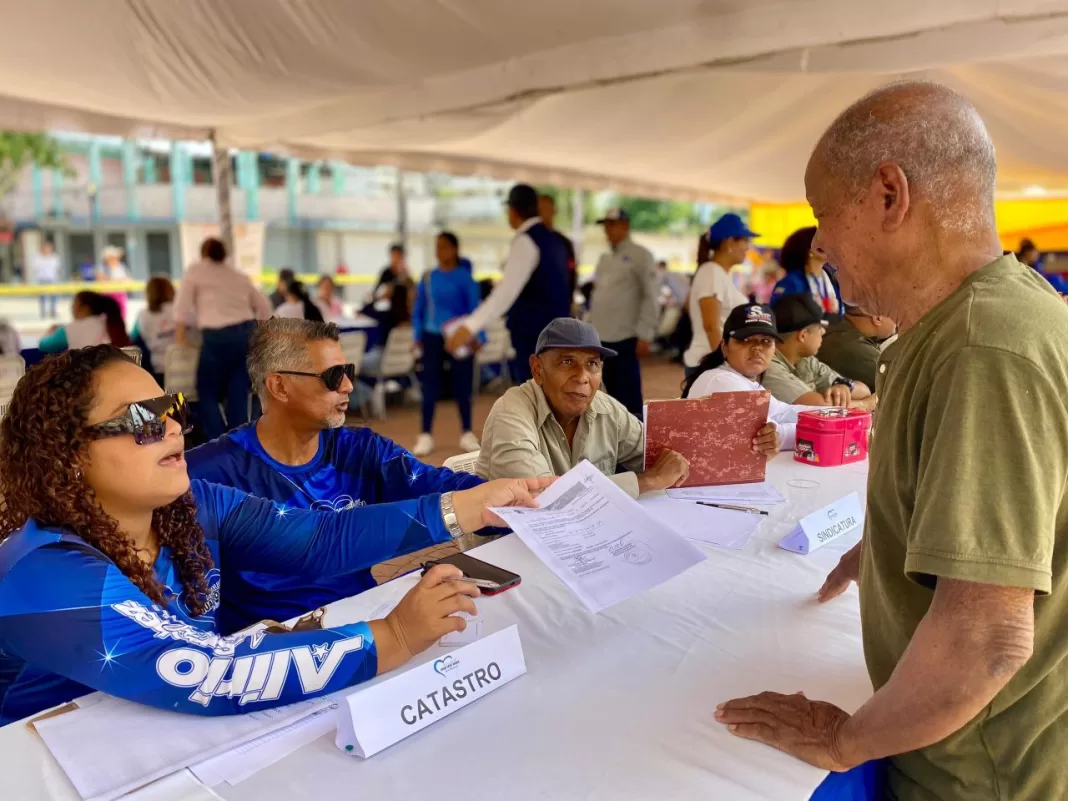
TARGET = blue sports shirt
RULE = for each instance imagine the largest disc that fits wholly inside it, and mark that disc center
(353, 467)
(71, 622)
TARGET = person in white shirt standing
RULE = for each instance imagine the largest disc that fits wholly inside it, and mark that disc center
(625, 309)
(713, 294)
(155, 328)
(224, 305)
(737, 365)
(534, 289)
(46, 271)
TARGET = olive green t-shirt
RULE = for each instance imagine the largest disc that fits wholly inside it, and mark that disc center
(788, 382)
(849, 352)
(967, 481)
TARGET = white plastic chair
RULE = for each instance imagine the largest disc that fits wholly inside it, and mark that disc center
(354, 346)
(497, 350)
(398, 361)
(464, 463)
(12, 368)
(180, 370)
(134, 353)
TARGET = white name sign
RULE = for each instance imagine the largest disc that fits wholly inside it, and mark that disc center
(374, 719)
(825, 525)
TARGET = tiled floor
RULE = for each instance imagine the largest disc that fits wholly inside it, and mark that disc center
(660, 380)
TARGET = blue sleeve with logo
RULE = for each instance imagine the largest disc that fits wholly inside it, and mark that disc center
(67, 610)
(404, 476)
(257, 534)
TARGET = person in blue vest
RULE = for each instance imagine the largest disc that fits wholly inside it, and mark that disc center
(113, 563)
(805, 274)
(534, 288)
(300, 455)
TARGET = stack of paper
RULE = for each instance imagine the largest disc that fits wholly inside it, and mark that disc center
(760, 494)
(599, 541)
(722, 527)
(108, 746)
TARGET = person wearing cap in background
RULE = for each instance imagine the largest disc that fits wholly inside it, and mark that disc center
(713, 294)
(625, 308)
(739, 364)
(795, 375)
(533, 289)
(558, 418)
(851, 344)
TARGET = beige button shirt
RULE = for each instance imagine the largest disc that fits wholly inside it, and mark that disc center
(522, 439)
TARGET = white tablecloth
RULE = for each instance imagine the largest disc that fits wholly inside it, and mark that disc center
(614, 706)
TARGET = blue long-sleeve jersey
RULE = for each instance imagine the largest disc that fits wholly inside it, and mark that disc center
(444, 295)
(353, 467)
(71, 622)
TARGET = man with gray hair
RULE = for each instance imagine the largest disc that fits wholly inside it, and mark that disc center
(961, 567)
(300, 455)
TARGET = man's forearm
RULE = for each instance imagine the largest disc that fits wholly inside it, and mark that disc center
(953, 667)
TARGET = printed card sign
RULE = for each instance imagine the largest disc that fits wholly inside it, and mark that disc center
(825, 525)
(373, 719)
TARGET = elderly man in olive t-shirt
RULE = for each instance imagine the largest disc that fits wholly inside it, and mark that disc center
(962, 563)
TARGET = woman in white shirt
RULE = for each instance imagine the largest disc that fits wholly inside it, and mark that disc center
(155, 326)
(713, 293)
(746, 350)
(224, 305)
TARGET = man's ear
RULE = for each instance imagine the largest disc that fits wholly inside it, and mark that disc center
(276, 387)
(892, 188)
(535, 369)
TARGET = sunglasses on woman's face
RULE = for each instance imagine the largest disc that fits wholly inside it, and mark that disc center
(332, 376)
(145, 420)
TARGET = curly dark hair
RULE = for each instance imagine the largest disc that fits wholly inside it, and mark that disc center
(42, 443)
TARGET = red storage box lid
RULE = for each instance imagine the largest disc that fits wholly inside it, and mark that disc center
(834, 419)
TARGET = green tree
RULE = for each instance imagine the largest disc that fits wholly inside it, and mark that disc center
(19, 150)
(658, 215)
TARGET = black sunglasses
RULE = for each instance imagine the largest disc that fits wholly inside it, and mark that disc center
(332, 376)
(145, 420)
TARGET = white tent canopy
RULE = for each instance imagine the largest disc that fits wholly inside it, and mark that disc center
(688, 98)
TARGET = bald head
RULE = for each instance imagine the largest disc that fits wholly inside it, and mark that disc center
(933, 134)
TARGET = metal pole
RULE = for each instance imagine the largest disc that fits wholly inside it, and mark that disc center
(578, 221)
(222, 174)
(402, 210)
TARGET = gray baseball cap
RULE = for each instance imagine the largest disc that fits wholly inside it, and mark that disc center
(567, 332)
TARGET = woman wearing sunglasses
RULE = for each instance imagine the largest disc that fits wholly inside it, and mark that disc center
(110, 558)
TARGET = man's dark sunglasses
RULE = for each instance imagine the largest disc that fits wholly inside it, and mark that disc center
(332, 376)
(145, 420)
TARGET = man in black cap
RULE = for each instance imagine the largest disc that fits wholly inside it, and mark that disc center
(795, 375)
(554, 421)
(534, 286)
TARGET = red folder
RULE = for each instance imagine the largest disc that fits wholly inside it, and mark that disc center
(715, 434)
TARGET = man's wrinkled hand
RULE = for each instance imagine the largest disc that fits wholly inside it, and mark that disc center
(808, 730)
(847, 570)
(838, 395)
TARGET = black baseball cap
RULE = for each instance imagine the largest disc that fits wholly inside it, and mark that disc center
(567, 332)
(750, 320)
(614, 215)
(797, 312)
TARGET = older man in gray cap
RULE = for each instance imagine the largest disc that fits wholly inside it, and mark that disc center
(558, 418)
(962, 565)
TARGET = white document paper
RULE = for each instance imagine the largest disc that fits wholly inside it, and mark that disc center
(108, 746)
(598, 540)
(238, 764)
(179, 786)
(761, 493)
(376, 717)
(705, 524)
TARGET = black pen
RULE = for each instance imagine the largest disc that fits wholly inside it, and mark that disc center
(746, 509)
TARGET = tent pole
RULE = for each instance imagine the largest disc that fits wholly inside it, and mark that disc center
(222, 174)
(578, 221)
(402, 210)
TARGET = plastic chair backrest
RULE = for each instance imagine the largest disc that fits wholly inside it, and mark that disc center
(354, 346)
(398, 356)
(180, 370)
(464, 463)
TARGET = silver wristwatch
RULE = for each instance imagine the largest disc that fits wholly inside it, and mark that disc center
(448, 514)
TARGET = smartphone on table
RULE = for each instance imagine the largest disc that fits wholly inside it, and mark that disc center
(492, 580)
